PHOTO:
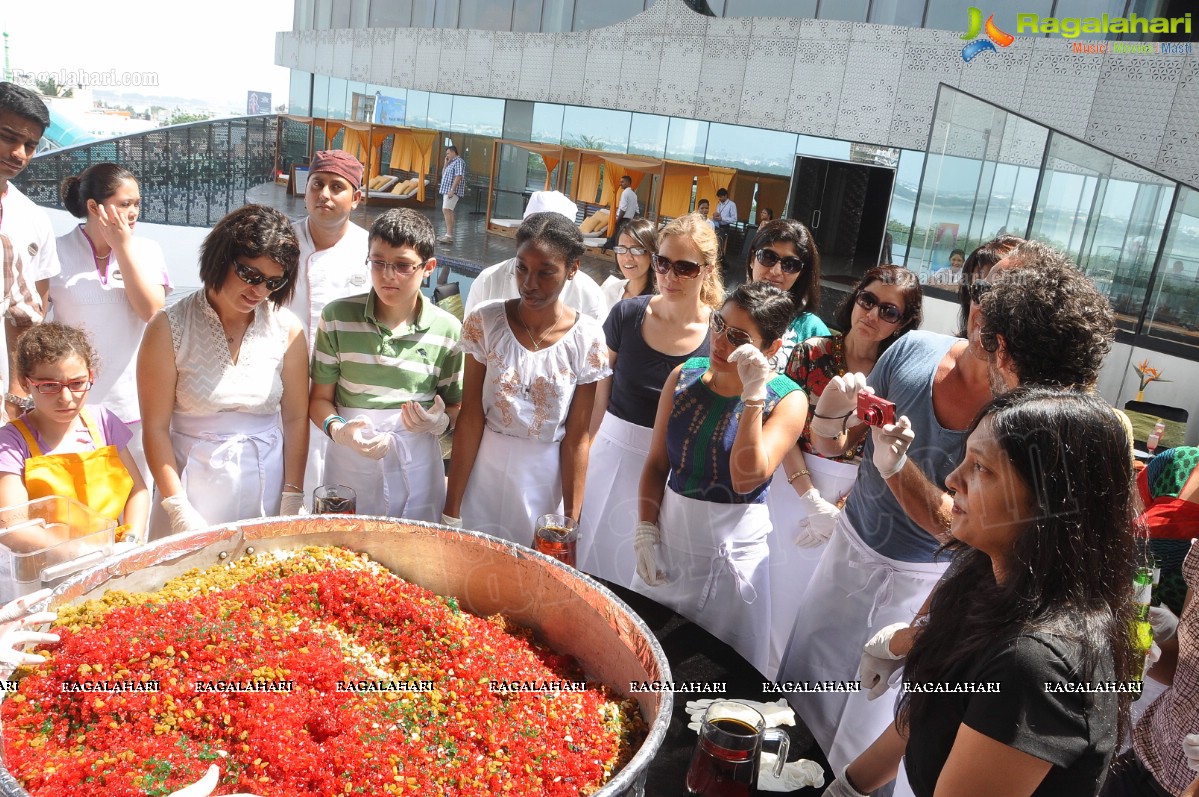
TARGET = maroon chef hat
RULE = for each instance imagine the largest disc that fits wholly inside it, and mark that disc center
(339, 162)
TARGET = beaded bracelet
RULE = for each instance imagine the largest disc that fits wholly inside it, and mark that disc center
(796, 475)
(330, 420)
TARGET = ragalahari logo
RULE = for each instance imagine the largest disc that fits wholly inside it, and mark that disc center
(994, 34)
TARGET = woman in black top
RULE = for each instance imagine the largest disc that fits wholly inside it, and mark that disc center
(1034, 612)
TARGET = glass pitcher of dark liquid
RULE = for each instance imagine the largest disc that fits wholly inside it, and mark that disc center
(334, 499)
(725, 761)
(557, 536)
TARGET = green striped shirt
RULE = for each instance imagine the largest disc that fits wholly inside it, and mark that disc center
(378, 368)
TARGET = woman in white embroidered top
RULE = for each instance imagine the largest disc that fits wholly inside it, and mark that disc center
(521, 441)
(112, 282)
(223, 381)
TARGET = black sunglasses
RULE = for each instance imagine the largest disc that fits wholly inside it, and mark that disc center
(252, 276)
(886, 311)
(769, 259)
(978, 289)
(735, 337)
(684, 269)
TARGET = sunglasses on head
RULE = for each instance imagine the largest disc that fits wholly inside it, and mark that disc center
(768, 258)
(978, 289)
(886, 311)
(252, 276)
(735, 337)
(684, 269)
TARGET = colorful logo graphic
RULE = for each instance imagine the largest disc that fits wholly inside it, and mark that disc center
(994, 34)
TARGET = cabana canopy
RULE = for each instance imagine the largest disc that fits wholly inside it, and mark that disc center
(411, 149)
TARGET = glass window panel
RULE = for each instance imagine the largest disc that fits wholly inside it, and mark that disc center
(441, 109)
(590, 14)
(302, 19)
(596, 128)
(526, 16)
(647, 136)
(1175, 306)
(557, 16)
(359, 13)
(485, 14)
(341, 14)
(446, 15)
(897, 12)
(391, 14)
(338, 107)
(769, 8)
(822, 147)
(478, 115)
(903, 203)
(320, 95)
(299, 95)
(418, 108)
(422, 13)
(687, 140)
(751, 149)
(847, 10)
(547, 123)
(324, 15)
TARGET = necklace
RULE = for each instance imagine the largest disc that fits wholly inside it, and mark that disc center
(537, 341)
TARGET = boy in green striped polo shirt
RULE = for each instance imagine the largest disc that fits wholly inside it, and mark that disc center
(388, 359)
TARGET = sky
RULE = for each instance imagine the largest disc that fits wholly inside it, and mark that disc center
(215, 51)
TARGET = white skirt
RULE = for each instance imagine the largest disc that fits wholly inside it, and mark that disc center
(610, 500)
(791, 566)
(409, 481)
(715, 559)
(514, 481)
(232, 474)
(854, 592)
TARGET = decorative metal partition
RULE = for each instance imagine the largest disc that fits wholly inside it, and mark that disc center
(191, 175)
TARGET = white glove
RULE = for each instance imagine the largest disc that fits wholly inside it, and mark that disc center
(754, 370)
(1190, 749)
(878, 663)
(837, 407)
(417, 419)
(205, 786)
(817, 527)
(1163, 622)
(291, 503)
(776, 713)
(359, 435)
(182, 514)
(841, 788)
(451, 521)
(796, 774)
(645, 540)
(891, 446)
(15, 621)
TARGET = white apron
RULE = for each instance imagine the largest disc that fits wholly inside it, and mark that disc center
(314, 470)
(791, 566)
(230, 475)
(514, 481)
(853, 592)
(409, 481)
(610, 500)
(715, 559)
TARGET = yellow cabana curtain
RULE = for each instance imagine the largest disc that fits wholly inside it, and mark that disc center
(676, 188)
(551, 163)
(721, 178)
(588, 180)
(772, 193)
(422, 146)
(616, 167)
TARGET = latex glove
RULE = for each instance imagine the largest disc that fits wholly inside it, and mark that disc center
(796, 774)
(754, 370)
(891, 444)
(1190, 749)
(1163, 622)
(451, 521)
(205, 786)
(645, 540)
(841, 788)
(776, 713)
(1151, 656)
(878, 663)
(837, 407)
(15, 622)
(417, 419)
(182, 514)
(359, 435)
(291, 503)
(817, 527)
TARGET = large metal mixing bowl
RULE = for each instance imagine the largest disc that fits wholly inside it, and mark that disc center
(571, 612)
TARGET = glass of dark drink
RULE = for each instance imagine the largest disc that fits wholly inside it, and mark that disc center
(557, 536)
(725, 761)
(334, 499)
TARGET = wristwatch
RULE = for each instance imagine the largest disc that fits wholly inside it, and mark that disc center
(24, 402)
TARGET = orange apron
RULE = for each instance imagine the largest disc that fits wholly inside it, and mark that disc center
(98, 479)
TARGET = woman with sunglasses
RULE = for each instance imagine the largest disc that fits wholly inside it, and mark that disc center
(637, 243)
(648, 337)
(784, 254)
(521, 440)
(61, 447)
(722, 427)
(886, 303)
(223, 381)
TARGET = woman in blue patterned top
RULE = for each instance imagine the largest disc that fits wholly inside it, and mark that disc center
(723, 425)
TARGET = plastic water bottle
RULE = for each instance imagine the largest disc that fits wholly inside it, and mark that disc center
(1142, 632)
(1155, 436)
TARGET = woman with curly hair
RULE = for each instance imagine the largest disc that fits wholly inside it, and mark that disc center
(223, 381)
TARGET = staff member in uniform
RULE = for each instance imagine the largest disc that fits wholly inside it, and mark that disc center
(223, 381)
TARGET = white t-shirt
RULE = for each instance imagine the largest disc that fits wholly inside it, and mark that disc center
(28, 227)
(334, 273)
(613, 289)
(498, 282)
(628, 204)
(96, 302)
